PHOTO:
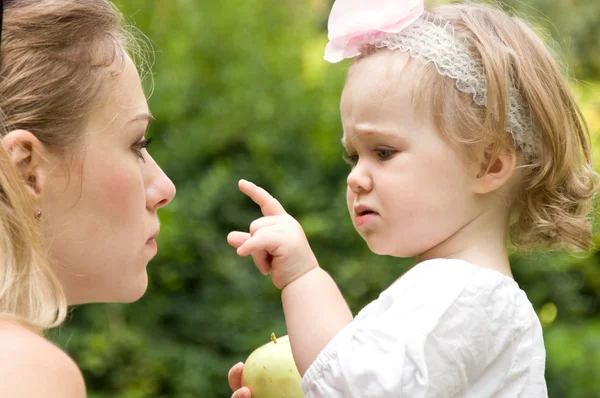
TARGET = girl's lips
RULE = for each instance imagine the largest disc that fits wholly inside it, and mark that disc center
(360, 210)
(363, 214)
(364, 219)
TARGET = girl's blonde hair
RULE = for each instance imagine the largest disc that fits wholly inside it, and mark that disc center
(553, 207)
(54, 57)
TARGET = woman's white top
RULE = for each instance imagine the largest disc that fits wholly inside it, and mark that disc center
(446, 328)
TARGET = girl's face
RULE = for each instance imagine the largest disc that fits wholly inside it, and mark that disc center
(409, 191)
(100, 210)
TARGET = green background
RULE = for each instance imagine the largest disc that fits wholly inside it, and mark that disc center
(241, 90)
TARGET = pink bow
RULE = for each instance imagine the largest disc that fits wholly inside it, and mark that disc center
(353, 23)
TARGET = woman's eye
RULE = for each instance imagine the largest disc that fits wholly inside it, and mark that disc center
(144, 143)
(350, 159)
(385, 153)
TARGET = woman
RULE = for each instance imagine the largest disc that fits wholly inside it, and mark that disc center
(79, 191)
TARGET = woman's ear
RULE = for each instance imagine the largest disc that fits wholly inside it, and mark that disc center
(27, 152)
(495, 170)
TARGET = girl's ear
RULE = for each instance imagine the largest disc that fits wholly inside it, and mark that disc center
(27, 152)
(494, 172)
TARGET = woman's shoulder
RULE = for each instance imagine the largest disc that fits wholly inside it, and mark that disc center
(32, 366)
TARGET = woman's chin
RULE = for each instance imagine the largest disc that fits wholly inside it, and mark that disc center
(121, 293)
(136, 291)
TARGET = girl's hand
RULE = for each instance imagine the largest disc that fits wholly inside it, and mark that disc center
(235, 382)
(276, 242)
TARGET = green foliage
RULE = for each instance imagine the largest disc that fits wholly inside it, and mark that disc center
(574, 30)
(242, 91)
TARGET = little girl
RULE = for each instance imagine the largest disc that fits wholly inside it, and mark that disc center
(461, 133)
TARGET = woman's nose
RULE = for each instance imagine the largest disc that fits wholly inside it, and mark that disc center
(160, 191)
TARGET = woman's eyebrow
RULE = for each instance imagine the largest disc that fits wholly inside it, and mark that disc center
(142, 116)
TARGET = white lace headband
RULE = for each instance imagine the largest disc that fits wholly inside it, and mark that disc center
(429, 38)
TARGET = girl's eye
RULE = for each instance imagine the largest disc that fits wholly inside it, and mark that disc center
(350, 159)
(144, 143)
(385, 153)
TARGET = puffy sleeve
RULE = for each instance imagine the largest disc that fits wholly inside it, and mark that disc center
(433, 333)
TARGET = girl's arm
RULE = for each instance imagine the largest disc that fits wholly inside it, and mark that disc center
(315, 311)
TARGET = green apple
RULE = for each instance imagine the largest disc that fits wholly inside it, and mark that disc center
(270, 371)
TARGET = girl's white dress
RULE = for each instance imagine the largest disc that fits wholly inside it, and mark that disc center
(447, 328)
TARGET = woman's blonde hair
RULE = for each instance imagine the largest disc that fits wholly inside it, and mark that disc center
(554, 205)
(54, 55)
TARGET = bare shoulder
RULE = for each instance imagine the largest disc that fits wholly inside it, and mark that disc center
(32, 366)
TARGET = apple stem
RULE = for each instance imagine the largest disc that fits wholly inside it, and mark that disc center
(273, 338)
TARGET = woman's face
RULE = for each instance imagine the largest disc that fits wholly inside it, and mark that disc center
(100, 209)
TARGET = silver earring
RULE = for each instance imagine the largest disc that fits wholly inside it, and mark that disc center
(38, 214)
